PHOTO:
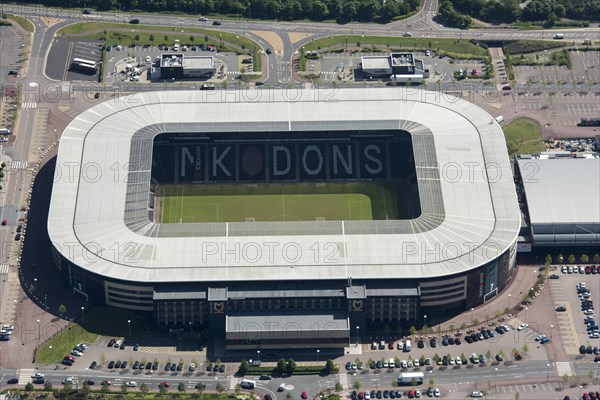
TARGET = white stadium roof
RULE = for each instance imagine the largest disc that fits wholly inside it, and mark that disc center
(99, 218)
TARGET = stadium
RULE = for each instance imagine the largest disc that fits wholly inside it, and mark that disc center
(285, 219)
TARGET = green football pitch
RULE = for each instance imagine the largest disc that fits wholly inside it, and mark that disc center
(277, 202)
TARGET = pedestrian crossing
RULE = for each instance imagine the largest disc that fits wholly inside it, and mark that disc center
(18, 164)
(30, 104)
(233, 382)
(4, 268)
(25, 375)
(564, 368)
(343, 380)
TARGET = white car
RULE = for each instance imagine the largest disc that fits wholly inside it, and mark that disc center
(436, 392)
(37, 375)
(458, 361)
(82, 345)
(417, 393)
(192, 367)
(476, 394)
(367, 395)
(203, 19)
(416, 363)
(76, 353)
(8, 327)
(539, 337)
(594, 335)
(69, 380)
(589, 312)
(131, 384)
(148, 59)
(403, 364)
(522, 326)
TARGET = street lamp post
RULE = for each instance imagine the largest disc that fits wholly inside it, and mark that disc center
(509, 296)
(547, 372)
(551, 328)
(35, 284)
(472, 315)
(318, 351)
(46, 302)
(129, 326)
(496, 379)
(82, 308)
(39, 334)
(424, 320)
(526, 308)
(258, 355)
(357, 328)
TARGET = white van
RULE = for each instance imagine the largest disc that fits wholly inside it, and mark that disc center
(407, 346)
(4, 131)
(559, 36)
(247, 384)
(499, 119)
(391, 363)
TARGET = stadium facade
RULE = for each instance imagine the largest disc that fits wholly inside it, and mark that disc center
(286, 283)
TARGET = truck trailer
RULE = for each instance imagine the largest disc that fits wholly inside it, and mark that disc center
(406, 378)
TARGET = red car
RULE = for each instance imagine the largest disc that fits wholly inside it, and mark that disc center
(411, 394)
(164, 384)
(71, 358)
(588, 269)
(4, 222)
(391, 345)
(598, 268)
(304, 395)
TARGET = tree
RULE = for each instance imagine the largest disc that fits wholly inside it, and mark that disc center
(137, 38)
(560, 259)
(47, 386)
(200, 388)
(67, 387)
(281, 365)
(412, 330)
(85, 389)
(525, 349)
(475, 322)
(596, 258)
(488, 355)
(338, 386)
(463, 326)
(166, 37)
(565, 379)
(104, 388)
(124, 388)
(431, 381)
(29, 387)
(291, 366)
(144, 388)
(151, 38)
(585, 258)
(244, 367)
(413, 382)
(507, 311)
(424, 330)
(330, 366)
(549, 259)
(571, 258)
(288, 396)
(206, 38)
(356, 385)
(220, 388)
(181, 387)
(62, 309)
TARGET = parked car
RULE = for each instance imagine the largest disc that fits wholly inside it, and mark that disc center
(93, 365)
(131, 384)
(561, 309)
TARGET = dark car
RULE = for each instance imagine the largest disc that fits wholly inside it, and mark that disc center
(66, 362)
(554, 276)
(18, 237)
(589, 350)
(222, 368)
(432, 343)
(216, 23)
(90, 382)
(215, 368)
(124, 364)
(111, 365)
(268, 51)
(209, 368)
(93, 365)
(561, 309)
(136, 365)
(19, 228)
(122, 347)
(499, 357)
(468, 339)
(149, 365)
(38, 380)
(173, 367)
(136, 347)
(180, 367)
(582, 349)
(134, 21)
(457, 341)
(108, 48)
(86, 12)
(118, 364)
(451, 341)
(420, 344)
(445, 342)
(12, 381)
(111, 343)
(168, 366)
(265, 377)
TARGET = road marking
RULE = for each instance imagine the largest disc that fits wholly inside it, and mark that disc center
(4, 268)
(563, 367)
(18, 164)
(30, 104)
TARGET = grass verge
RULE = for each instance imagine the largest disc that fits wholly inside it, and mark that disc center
(98, 321)
(25, 24)
(530, 46)
(561, 57)
(523, 136)
(454, 47)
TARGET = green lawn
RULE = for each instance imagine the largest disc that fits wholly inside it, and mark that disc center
(523, 136)
(98, 321)
(450, 46)
(25, 24)
(278, 202)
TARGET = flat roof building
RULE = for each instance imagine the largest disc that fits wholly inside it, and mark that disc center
(562, 195)
(182, 66)
(399, 67)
